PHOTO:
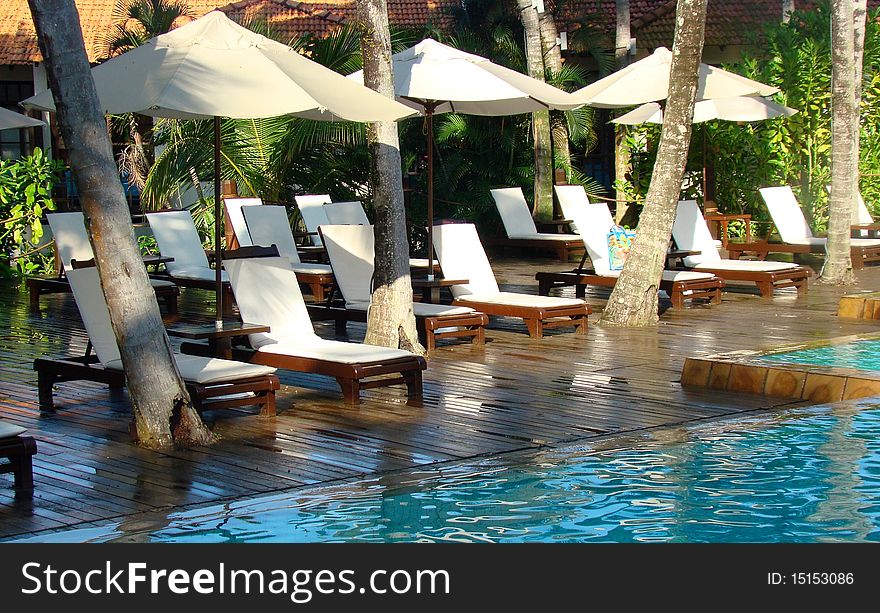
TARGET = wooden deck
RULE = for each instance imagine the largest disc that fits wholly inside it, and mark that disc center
(513, 394)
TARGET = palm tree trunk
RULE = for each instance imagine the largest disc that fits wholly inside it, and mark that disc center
(390, 321)
(157, 393)
(634, 299)
(844, 157)
(860, 10)
(540, 119)
(787, 8)
(622, 156)
(553, 61)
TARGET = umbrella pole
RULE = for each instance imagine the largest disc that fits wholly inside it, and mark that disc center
(429, 114)
(218, 278)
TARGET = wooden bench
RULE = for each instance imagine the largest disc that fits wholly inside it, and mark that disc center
(19, 450)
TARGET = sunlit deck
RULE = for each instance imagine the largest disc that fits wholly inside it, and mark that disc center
(513, 394)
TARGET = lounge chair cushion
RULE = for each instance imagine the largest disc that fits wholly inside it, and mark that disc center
(572, 199)
(198, 369)
(520, 300)
(268, 225)
(346, 213)
(161, 283)
(420, 309)
(8, 430)
(176, 235)
(545, 236)
(312, 269)
(514, 212)
(267, 292)
(333, 351)
(71, 237)
(462, 257)
(311, 210)
(234, 209)
(746, 265)
(351, 253)
(420, 263)
(199, 274)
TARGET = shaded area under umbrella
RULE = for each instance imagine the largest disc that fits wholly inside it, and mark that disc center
(212, 68)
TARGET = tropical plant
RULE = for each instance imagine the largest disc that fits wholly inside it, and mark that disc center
(25, 196)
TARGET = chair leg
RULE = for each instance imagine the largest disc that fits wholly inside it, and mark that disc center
(582, 323)
(317, 290)
(267, 408)
(413, 380)
(45, 383)
(341, 327)
(351, 390)
(677, 299)
(716, 295)
(766, 288)
(23, 469)
(535, 327)
(801, 287)
(858, 258)
(480, 336)
(171, 304)
(34, 296)
(544, 287)
(580, 291)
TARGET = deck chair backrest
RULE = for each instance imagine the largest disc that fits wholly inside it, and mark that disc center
(341, 213)
(863, 215)
(350, 249)
(594, 222)
(86, 287)
(234, 208)
(71, 237)
(178, 238)
(572, 199)
(267, 292)
(268, 225)
(462, 256)
(514, 212)
(786, 213)
(311, 209)
(692, 234)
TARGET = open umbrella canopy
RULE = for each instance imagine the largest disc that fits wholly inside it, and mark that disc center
(454, 81)
(213, 67)
(742, 108)
(648, 81)
(9, 120)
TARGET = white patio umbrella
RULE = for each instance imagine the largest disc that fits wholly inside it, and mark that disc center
(741, 108)
(648, 81)
(434, 78)
(213, 68)
(10, 120)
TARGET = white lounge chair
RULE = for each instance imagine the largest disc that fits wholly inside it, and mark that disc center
(351, 251)
(268, 225)
(352, 213)
(212, 383)
(311, 209)
(795, 232)
(72, 245)
(692, 234)
(595, 222)
(521, 230)
(864, 226)
(345, 213)
(267, 292)
(234, 211)
(572, 199)
(462, 257)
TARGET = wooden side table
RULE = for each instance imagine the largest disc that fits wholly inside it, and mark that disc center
(219, 339)
(724, 219)
(430, 288)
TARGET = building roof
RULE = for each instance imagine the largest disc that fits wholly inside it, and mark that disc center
(653, 21)
(287, 18)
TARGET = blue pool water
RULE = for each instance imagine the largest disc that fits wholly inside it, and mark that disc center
(806, 476)
(861, 354)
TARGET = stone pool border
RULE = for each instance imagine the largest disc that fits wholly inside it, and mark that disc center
(738, 371)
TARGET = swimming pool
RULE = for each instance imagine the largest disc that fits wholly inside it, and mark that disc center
(861, 354)
(808, 475)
